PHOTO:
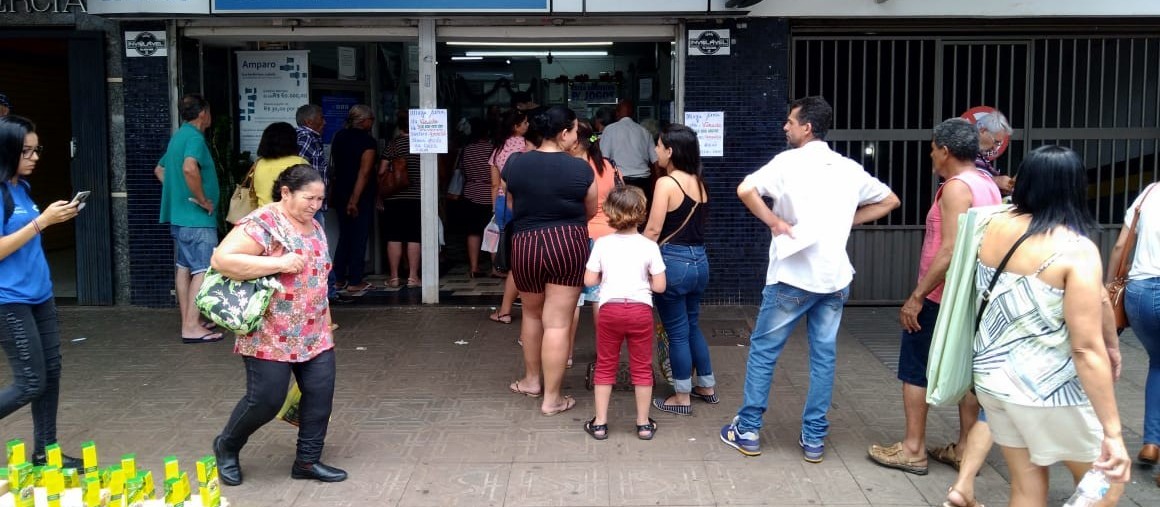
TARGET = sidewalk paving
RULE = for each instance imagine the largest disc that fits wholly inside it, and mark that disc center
(420, 419)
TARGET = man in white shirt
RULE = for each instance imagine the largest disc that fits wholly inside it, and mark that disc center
(818, 195)
(631, 147)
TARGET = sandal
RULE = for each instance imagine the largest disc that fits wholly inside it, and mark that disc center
(569, 403)
(893, 456)
(502, 319)
(393, 283)
(969, 503)
(414, 283)
(359, 289)
(947, 454)
(515, 388)
(707, 398)
(598, 431)
(646, 431)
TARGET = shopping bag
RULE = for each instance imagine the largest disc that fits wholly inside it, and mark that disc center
(950, 363)
(289, 411)
(244, 201)
(662, 368)
(490, 237)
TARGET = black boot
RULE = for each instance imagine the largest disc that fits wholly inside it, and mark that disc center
(229, 469)
(317, 471)
(66, 461)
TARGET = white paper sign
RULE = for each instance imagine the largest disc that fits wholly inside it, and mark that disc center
(140, 44)
(347, 63)
(710, 129)
(272, 85)
(428, 129)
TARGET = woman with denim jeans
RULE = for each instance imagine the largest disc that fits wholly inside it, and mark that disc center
(284, 240)
(677, 222)
(28, 334)
(1142, 306)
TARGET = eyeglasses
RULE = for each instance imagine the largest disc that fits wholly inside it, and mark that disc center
(29, 150)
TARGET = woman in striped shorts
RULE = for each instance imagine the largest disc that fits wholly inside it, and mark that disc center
(552, 195)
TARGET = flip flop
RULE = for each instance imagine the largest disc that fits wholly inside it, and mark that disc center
(203, 338)
(209, 325)
(502, 319)
(569, 404)
(515, 388)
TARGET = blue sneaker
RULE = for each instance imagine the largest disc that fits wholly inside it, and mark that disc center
(746, 443)
(811, 453)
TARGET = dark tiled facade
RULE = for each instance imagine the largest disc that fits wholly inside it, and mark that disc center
(751, 86)
(147, 127)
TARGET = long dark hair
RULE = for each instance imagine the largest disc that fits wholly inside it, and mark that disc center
(295, 178)
(550, 123)
(686, 149)
(278, 140)
(13, 130)
(591, 144)
(507, 125)
(1052, 189)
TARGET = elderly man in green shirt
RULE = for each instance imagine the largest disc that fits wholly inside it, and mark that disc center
(189, 190)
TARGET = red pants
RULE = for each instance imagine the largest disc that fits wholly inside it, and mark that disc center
(619, 322)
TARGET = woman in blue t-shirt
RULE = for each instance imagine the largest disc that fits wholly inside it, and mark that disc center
(28, 332)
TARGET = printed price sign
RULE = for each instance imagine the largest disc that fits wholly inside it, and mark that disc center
(428, 129)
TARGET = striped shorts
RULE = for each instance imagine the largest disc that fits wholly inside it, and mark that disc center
(552, 255)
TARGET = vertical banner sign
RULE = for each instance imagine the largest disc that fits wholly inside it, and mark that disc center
(428, 129)
(710, 129)
(272, 85)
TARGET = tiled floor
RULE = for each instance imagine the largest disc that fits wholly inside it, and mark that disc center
(422, 416)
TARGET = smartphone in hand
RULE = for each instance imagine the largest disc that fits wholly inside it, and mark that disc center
(80, 199)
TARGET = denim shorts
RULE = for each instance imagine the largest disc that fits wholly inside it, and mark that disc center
(194, 247)
(915, 347)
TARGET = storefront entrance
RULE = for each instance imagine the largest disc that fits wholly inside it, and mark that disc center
(478, 72)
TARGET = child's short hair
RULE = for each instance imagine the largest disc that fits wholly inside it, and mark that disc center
(625, 207)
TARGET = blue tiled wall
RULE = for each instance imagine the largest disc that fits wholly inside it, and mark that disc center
(147, 131)
(751, 86)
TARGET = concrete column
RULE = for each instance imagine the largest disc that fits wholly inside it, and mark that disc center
(429, 166)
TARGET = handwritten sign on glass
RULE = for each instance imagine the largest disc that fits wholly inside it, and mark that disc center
(428, 130)
(710, 129)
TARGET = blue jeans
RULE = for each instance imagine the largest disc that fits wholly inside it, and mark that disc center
(320, 216)
(782, 306)
(687, 276)
(1142, 305)
(350, 256)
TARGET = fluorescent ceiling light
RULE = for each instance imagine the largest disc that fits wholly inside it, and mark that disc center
(531, 44)
(461, 58)
(536, 53)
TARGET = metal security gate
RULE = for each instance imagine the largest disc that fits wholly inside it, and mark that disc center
(1097, 95)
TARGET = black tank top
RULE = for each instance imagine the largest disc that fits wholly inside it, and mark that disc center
(693, 234)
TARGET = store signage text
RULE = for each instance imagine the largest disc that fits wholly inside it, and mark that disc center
(140, 44)
(45, 6)
(709, 42)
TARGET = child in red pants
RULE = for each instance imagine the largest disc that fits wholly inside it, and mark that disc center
(629, 268)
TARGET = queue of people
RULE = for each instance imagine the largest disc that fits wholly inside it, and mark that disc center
(581, 230)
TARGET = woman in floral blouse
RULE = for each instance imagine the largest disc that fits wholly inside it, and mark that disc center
(283, 238)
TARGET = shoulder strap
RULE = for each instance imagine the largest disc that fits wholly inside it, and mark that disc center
(995, 279)
(678, 185)
(1122, 269)
(683, 224)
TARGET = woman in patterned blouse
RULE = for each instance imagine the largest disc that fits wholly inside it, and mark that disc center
(283, 239)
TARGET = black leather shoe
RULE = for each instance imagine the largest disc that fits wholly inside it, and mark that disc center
(229, 469)
(317, 471)
(66, 461)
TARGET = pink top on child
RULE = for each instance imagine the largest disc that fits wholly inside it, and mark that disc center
(983, 193)
(513, 145)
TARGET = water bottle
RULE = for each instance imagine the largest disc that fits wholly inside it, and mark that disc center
(1091, 490)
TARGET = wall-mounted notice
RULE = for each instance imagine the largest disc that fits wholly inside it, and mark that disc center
(271, 87)
(710, 129)
(347, 63)
(428, 130)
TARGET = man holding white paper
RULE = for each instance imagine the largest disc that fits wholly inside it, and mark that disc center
(818, 195)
